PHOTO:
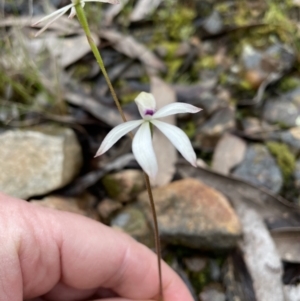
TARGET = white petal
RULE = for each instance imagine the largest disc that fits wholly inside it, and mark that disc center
(143, 151)
(60, 11)
(52, 21)
(179, 139)
(145, 102)
(115, 134)
(176, 108)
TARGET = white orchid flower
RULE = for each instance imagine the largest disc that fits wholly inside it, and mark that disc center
(70, 7)
(142, 147)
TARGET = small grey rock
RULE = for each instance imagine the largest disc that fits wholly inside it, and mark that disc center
(212, 293)
(195, 264)
(132, 221)
(124, 185)
(214, 23)
(260, 168)
(284, 110)
(220, 122)
(107, 207)
(290, 137)
(65, 204)
(37, 161)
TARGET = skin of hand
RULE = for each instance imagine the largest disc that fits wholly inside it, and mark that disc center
(53, 255)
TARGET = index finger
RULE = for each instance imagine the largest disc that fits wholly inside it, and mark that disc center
(98, 256)
(59, 247)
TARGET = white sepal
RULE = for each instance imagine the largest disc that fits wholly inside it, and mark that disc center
(145, 102)
(175, 108)
(143, 151)
(179, 139)
(48, 24)
(59, 12)
(117, 133)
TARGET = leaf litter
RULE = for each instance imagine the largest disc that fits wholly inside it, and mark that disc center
(197, 76)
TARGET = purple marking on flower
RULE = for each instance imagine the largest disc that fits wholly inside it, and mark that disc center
(149, 112)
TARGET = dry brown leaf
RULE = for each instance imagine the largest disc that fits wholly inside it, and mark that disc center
(63, 26)
(69, 50)
(229, 152)
(275, 210)
(165, 152)
(260, 254)
(133, 49)
(104, 113)
(143, 8)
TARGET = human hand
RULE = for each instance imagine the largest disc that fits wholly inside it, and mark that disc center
(52, 255)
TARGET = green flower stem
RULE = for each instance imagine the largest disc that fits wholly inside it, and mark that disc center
(83, 21)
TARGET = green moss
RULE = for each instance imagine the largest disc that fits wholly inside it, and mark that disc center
(190, 129)
(222, 7)
(81, 71)
(112, 186)
(223, 78)
(171, 48)
(145, 79)
(94, 14)
(242, 17)
(200, 279)
(169, 259)
(177, 20)
(285, 159)
(277, 14)
(206, 62)
(128, 98)
(288, 83)
(173, 67)
(245, 85)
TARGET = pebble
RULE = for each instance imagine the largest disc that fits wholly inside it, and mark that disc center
(39, 160)
(132, 221)
(260, 168)
(124, 185)
(209, 133)
(194, 215)
(284, 110)
(212, 293)
(65, 204)
(290, 137)
(107, 207)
